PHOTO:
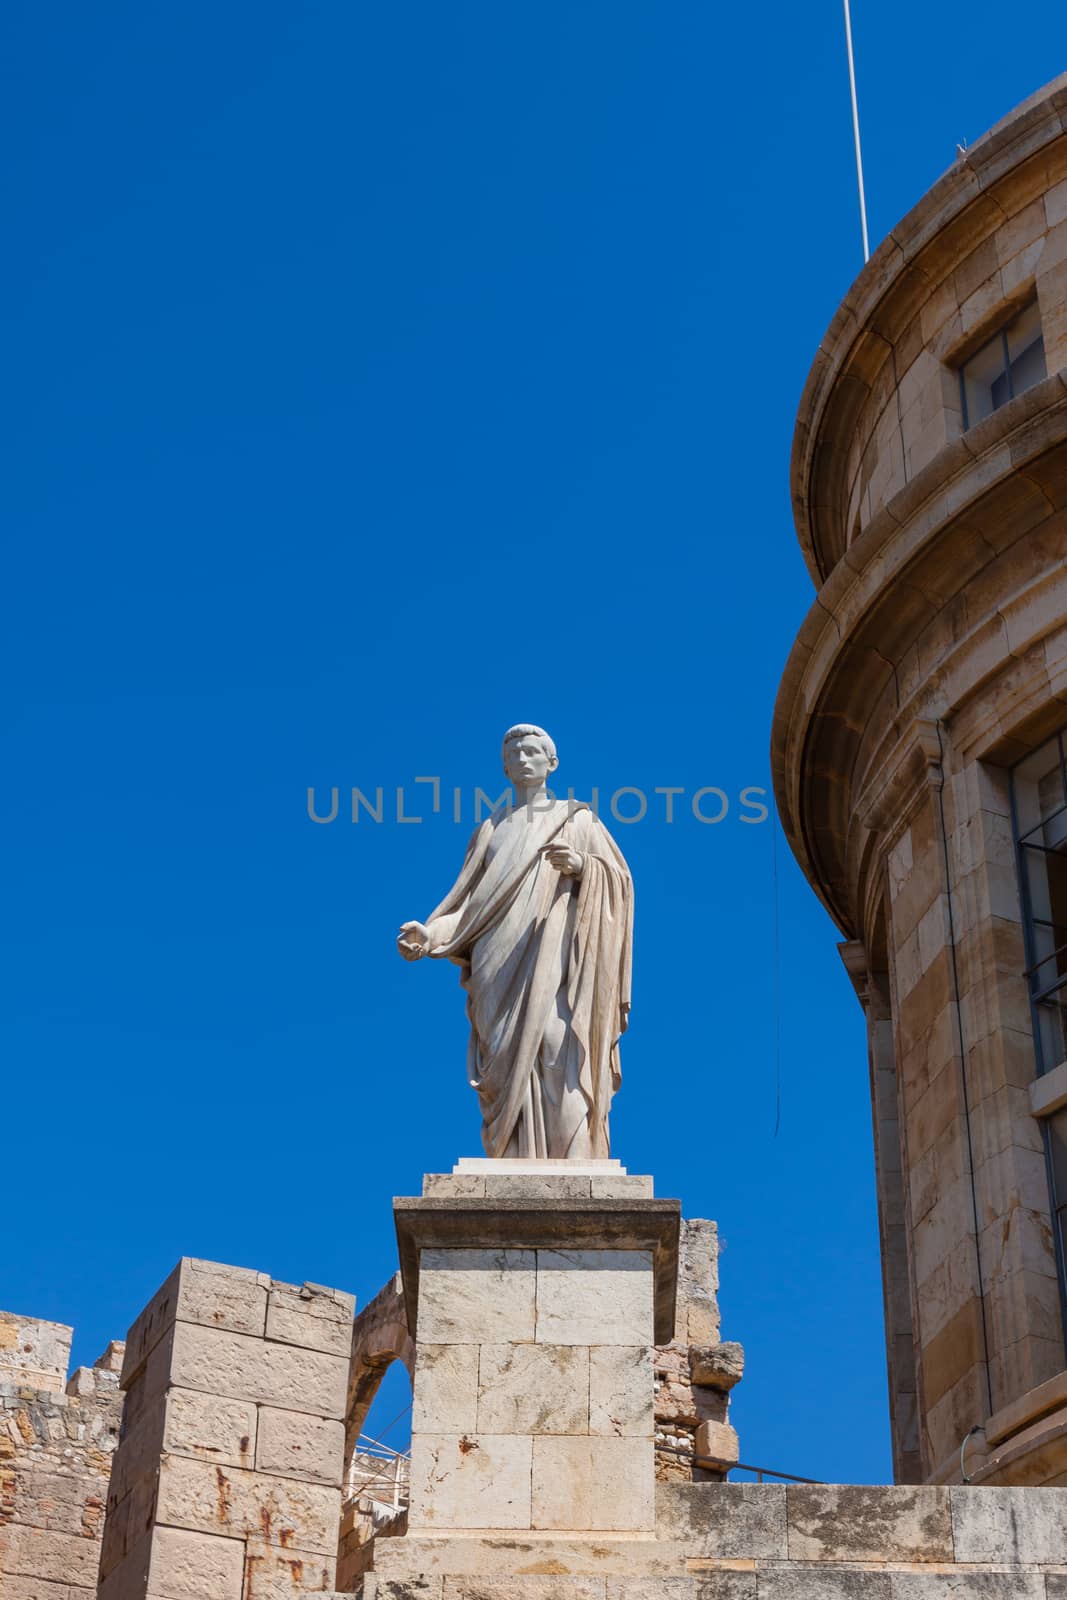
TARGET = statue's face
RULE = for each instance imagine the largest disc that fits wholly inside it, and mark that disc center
(526, 762)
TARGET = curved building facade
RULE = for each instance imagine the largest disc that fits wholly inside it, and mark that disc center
(920, 762)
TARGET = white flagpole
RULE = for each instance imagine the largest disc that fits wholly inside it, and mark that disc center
(856, 130)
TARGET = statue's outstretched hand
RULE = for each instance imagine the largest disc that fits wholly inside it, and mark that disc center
(565, 860)
(413, 940)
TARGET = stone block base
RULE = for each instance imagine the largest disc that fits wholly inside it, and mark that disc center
(535, 1298)
(763, 1542)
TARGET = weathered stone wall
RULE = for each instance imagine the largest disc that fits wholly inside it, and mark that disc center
(380, 1336)
(57, 1437)
(766, 1542)
(227, 1484)
(695, 1373)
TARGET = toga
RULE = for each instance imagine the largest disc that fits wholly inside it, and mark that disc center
(545, 961)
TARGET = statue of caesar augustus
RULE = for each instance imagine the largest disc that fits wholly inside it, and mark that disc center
(540, 924)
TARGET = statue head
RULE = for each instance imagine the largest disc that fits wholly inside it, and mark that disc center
(529, 755)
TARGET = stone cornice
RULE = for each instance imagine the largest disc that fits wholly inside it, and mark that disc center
(921, 251)
(911, 561)
(914, 765)
(566, 1224)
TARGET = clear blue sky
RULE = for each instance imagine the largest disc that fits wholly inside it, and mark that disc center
(378, 376)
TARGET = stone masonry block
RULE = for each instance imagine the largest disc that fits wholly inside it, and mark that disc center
(700, 1322)
(424, 1553)
(243, 1368)
(111, 1359)
(127, 1521)
(698, 1260)
(728, 1584)
(136, 1460)
(195, 1566)
(594, 1297)
(274, 1573)
(50, 1555)
(621, 1390)
(475, 1481)
(534, 1186)
(40, 1589)
(210, 1428)
(725, 1521)
(445, 1396)
(229, 1501)
(54, 1500)
(34, 1353)
(205, 1292)
(822, 1583)
(311, 1317)
(82, 1383)
(967, 1584)
(421, 1586)
(593, 1484)
(835, 1522)
(128, 1580)
(526, 1587)
(146, 1388)
(298, 1446)
(621, 1186)
(1012, 1526)
(476, 1296)
(719, 1366)
(533, 1388)
(716, 1442)
(453, 1186)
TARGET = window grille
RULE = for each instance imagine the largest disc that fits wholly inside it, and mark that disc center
(1013, 360)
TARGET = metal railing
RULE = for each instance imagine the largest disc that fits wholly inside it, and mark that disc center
(761, 1473)
(380, 1474)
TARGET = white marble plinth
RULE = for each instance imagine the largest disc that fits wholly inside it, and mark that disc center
(506, 1167)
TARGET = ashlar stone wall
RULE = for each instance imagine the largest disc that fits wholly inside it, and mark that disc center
(227, 1484)
(766, 1542)
(695, 1372)
(57, 1438)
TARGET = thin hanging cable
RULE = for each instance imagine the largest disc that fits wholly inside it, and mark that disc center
(856, 130)
(777, 978)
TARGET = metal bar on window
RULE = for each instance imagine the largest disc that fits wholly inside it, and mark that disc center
(1040, 996)
(1038, 1016)
(1024, 838)
(1007, 362)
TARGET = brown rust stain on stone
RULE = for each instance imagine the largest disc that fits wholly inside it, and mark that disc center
(467, 1445)
(222, 1495)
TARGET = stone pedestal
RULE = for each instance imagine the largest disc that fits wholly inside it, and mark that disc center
(535, 1293)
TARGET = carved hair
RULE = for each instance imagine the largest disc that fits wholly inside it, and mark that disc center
(521, 729)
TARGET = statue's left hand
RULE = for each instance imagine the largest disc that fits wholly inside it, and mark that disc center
(565, 860)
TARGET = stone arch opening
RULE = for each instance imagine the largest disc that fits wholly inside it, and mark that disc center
(375, 1495)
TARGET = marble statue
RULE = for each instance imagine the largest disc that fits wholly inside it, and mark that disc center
(540, 923)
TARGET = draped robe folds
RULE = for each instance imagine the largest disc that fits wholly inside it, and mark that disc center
(545, 961)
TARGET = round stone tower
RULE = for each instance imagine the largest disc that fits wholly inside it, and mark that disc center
(920, 764)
